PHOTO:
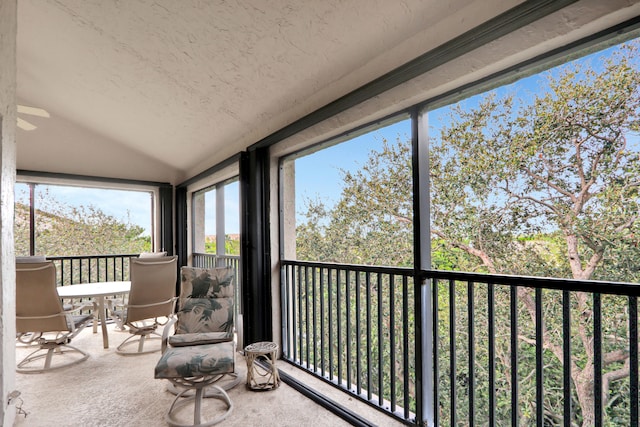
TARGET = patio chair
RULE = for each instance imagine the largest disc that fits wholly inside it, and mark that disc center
(199, 358)
(151, 302)
(41, 316)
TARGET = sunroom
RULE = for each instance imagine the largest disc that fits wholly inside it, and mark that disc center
(380, 176)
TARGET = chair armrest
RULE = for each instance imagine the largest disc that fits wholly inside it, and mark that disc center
(174, 299)
(166, 331)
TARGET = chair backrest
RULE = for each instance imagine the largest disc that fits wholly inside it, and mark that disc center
(206, 302)
(153, 280)
(37, 295)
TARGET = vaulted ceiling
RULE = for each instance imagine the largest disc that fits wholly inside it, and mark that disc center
(161, 90)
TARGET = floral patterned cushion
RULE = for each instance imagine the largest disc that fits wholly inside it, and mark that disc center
(206, 300)
(180, 340)
(205, 315)
(206, 282)
(197, 360)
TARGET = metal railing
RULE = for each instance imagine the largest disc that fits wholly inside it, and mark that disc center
(354, 327)
(92, 268)
(507, 350)
(203, 260)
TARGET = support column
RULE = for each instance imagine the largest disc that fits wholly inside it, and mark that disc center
(425, 332)
(220, 229)
(8, 30)
(255, 251)
(198, 233)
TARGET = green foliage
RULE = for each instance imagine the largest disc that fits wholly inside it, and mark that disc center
(69, 231)
(375, 210)
(231, 246)
(546, 185)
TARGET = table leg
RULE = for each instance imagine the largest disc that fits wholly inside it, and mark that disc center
(103, 322)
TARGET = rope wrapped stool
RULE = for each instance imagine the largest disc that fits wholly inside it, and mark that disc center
(261, 377)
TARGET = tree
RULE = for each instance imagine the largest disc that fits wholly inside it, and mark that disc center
(70, 231)
(542, 186)
(560, 163)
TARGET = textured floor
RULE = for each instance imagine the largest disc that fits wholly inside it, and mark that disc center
(113, 390)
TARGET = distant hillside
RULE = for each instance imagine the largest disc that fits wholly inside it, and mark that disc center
(45, 220)
(85, 231)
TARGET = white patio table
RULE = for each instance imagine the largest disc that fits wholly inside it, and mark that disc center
(97, 291)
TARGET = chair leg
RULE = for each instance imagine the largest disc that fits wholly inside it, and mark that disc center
(95, 317)
(183, 399)
(197, 406)
(225, 382)
(26, 366)
(47, 359)
(141, 343)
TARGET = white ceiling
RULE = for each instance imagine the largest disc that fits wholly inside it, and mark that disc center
(161, 90)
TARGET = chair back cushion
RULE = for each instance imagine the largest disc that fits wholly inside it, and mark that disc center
(153, 280)
(37, 296)
(206, 301)
(152, 254)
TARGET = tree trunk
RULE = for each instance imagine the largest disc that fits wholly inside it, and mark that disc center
(583, 381)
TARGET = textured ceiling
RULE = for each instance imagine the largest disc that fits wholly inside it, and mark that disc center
(163, 89)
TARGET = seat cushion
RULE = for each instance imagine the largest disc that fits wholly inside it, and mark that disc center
(196, 361)
(180, 340)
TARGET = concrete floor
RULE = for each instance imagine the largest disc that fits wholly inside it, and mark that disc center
(113, 390)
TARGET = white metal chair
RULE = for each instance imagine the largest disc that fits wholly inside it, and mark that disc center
(202, 351)
(41, 316)
(151, 302)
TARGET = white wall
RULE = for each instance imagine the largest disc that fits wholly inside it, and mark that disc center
(8, 25)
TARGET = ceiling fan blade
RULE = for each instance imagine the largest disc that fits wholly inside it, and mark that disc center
(33, 111)
(25, 125)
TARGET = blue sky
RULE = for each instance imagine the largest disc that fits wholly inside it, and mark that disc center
(126, 206)
(318, 175)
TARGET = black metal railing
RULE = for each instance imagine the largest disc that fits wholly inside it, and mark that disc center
(354, 327)
(92, 268)
(506, 350)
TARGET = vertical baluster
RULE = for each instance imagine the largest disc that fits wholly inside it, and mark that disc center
(452, 351)
(339, 325)
(435, 283)
(492, 352)
(358, 337)
(62, 275)
(633, 359)
(514, 355)
(566, 356)
(380, 341)
(314, 332)
(297, 312)
(539, 360)
(330, 322)
(284, 298)
(307, 318)
(392, 340)
(405, 344)
(323, 341)
(597, 359)
(349, 332)
(472, 349)
(369, 343)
